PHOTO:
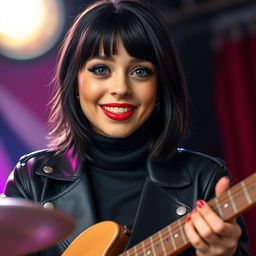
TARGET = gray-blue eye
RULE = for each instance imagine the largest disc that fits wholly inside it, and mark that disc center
(142, 72)
(99, 70)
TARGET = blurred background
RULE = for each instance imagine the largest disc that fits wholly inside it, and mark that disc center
(215, 40)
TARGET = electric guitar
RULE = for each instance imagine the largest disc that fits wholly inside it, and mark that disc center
(108, 238)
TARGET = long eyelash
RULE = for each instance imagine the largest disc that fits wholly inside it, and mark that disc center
(148, 70)
(93, 68)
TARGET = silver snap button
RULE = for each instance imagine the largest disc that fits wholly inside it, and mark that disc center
(2, 195)
(181, 210)
(48, 169)
(48, 205)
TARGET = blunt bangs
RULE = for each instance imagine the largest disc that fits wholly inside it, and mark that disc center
(145, 37)
(105, 30)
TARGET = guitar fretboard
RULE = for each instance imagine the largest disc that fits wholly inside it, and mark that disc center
(171, 240)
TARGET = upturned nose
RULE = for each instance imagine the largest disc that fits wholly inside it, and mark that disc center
(120, 86)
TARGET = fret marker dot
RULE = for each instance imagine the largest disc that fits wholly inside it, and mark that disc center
(176, 235)
(226, 205)
(148, 252)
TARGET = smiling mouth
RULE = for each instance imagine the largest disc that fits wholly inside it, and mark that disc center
(118, 111)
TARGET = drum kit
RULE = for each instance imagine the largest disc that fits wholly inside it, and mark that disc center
(27, 227)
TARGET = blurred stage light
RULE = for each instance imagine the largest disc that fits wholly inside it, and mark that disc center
(29, 28)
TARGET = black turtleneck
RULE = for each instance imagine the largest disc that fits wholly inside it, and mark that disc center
(117, 174)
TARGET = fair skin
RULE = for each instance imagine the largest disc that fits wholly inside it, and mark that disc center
(103, 84)
(208, 233)
(107, 84)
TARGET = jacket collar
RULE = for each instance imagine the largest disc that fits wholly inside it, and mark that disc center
(63, 167)
(169, 173)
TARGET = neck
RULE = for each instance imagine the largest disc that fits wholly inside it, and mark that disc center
(120, 153)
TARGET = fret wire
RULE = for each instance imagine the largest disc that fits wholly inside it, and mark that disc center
(138, 249)
(161, 241)
(176, 234)
(182, 232)
(251, 188)
(171, 235)
(143, 247)
(132, 251)
(221, 199)
(247, 195)
(176, 228)
(225, 196)
(152, 245)
(135, 250)
(232, 201)
(219, 207)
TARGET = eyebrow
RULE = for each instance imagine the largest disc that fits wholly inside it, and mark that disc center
(98, 57)
(109, 58)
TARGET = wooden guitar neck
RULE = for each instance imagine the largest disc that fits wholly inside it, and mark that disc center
(109, 239)
(171, 240)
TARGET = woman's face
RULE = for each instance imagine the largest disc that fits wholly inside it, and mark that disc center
(117, 94)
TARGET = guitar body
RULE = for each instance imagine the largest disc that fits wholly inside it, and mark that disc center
(106, 238)
(109, 238)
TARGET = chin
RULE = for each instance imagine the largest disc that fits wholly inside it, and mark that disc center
(117, 134)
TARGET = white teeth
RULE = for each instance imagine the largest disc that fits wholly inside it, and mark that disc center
(117, 110)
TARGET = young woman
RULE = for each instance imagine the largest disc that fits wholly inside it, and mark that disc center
(117, 117)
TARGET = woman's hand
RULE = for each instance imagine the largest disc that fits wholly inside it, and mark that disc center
(208, 233)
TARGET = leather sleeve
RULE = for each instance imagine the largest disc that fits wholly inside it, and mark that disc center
(17, 183)
(17, 186)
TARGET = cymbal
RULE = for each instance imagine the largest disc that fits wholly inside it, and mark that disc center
(27, 227)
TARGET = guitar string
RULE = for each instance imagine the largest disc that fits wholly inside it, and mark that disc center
(182, 220)
(224, 198)
(238, 192)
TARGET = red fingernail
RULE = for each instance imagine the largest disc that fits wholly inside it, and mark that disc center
(200, 203)
(188, 219)
(227, 178)
(194, 210)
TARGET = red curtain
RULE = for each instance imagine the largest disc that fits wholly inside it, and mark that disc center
(235, 100)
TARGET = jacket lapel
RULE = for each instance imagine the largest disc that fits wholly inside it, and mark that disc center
(79, 193)
(71, 190)
(157, 207)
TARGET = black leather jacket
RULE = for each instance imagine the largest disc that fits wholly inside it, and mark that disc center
(171, 190)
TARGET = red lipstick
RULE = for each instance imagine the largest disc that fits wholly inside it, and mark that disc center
(118, 116)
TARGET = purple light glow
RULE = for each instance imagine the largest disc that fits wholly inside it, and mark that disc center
(5, 167)
(73, 161)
